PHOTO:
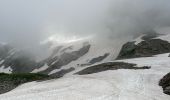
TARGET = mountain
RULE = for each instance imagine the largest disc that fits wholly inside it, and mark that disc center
(134, 83)
(71, 57)
(13, 60)
(87, 71)
(62, 59)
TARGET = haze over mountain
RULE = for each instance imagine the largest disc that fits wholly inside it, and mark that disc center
(26, 24)
(85, 49)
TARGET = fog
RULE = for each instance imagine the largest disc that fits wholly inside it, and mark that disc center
(26, 23)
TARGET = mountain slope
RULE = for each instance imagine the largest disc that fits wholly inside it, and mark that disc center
(75, 54)
(15, 60)
(145, 46)
(89, 75)
(122, 84)
(69, 58)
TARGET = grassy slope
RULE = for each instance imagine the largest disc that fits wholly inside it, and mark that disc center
(11, 81)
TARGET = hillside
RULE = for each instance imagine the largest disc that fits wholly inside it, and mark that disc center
(83, 72)
(105, 85)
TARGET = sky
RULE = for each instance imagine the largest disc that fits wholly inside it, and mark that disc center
(27, 23)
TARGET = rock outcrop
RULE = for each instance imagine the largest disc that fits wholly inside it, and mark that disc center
(148, 46)
(165, 83)
(144, 49)
(110, 66)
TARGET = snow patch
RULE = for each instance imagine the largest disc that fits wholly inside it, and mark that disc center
(5, 70)
(139, 39)
(40, 69)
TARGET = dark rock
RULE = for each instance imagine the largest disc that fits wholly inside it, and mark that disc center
(94, 60)
(98, 59)
(62, 72)
(127, 51)
(146, 48)
(167, 90)
(65, 58)
(165, 83)
(110, 66)
(21, 61)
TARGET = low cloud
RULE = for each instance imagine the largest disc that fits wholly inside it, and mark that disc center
(28, 23)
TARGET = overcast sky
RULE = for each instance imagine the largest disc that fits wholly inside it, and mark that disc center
(28, 22)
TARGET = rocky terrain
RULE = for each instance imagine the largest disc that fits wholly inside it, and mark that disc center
(20, 61)
(110, 66)
(137, 59)
(56, 62)
(106, 84)
(165, 83)
(144, 49)
(148, 46)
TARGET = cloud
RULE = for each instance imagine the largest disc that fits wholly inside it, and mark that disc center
(26, 23)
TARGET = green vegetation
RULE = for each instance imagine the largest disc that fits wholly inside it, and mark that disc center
(18, 78)
(11, 81)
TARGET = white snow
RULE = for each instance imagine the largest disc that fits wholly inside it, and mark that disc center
(121, 84)
(165, 37)
(5, 70)
(139, 39)
(40, 69)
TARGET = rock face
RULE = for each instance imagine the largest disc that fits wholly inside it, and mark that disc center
(144, 49)
(58, 61)
(148, 45)
(98, 59)
(95, 60)
(62, 72)
(110, 66)
(165, 83)
(20, 61)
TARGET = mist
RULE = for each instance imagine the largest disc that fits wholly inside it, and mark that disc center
(26, 23)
